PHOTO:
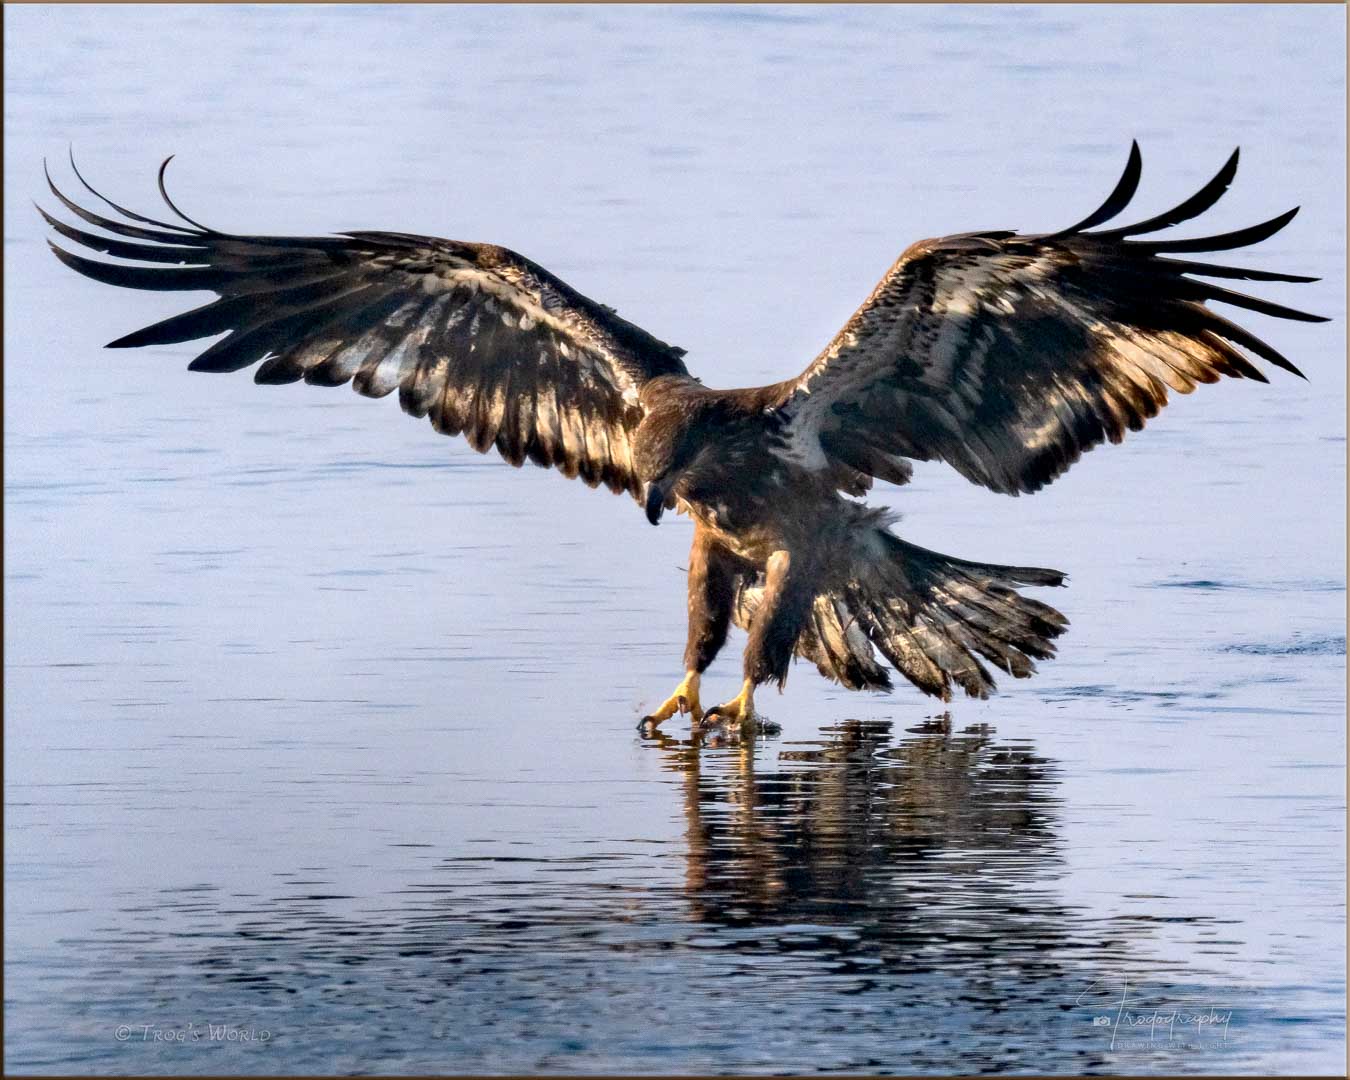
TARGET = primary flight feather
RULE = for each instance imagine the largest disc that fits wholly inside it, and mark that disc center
(1006, 356)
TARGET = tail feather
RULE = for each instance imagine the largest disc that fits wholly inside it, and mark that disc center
(934, 617)
(942, 640)
(999, 614)
(834, 638)
(837, 644)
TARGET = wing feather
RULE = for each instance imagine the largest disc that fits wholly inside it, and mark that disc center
(1196, 205)
(483, 341)
(1010, 356)
(1120, 195)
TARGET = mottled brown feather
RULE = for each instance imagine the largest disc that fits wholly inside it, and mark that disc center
(1011, 356)
(483, 341)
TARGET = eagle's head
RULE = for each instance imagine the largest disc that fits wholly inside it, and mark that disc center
(665, 446)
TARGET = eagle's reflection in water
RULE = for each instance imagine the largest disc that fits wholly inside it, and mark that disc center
(922, 848)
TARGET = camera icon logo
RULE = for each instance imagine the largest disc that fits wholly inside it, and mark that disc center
(1101, 1021)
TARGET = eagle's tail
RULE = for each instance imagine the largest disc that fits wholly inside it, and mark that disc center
(931, 615)
(934, 616)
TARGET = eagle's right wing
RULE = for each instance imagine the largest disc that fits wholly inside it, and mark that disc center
(482, 340)
(1010, 356)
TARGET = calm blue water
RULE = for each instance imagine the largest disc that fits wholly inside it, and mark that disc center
(319, 747)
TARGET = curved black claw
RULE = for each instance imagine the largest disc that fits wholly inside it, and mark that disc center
(712, 718)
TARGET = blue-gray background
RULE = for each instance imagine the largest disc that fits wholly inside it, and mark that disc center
(319, 727)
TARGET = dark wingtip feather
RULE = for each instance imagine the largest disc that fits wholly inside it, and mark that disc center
(130, 215)
(164, 194)
(1120, 195)
(177, 236)
(1289, 366)
(1214, 293)
(212, 318)
(1179, 266)
(160, 253)
(157, 278)
(1225, 328)
(1253, 234)
(64, 255)
(1196, 205)
(108, 273)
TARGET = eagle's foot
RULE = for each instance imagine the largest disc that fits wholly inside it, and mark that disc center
(740, 711)
(684, 700)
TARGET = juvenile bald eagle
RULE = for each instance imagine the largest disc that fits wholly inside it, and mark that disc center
(1005, 356)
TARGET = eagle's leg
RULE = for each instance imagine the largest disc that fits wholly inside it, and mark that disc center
(683, 700)
(712, 593)
(774, 630)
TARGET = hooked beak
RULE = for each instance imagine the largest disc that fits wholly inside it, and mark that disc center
(656, 502)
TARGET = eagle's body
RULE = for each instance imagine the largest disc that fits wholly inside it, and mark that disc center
(1005, 356)
(749, 498)
(807, 571)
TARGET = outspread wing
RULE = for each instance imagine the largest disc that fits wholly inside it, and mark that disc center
(482, 340)
(1010, 356)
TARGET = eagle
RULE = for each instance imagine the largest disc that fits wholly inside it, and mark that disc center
(1006, 356)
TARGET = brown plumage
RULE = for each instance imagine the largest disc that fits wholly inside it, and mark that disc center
(1006, 356)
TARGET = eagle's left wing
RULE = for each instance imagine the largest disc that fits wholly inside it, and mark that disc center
(1009, 356)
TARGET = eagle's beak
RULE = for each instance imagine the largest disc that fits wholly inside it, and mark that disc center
(656, 502)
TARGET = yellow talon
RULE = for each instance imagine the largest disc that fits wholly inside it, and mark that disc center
(740, 708)
(684, 700)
